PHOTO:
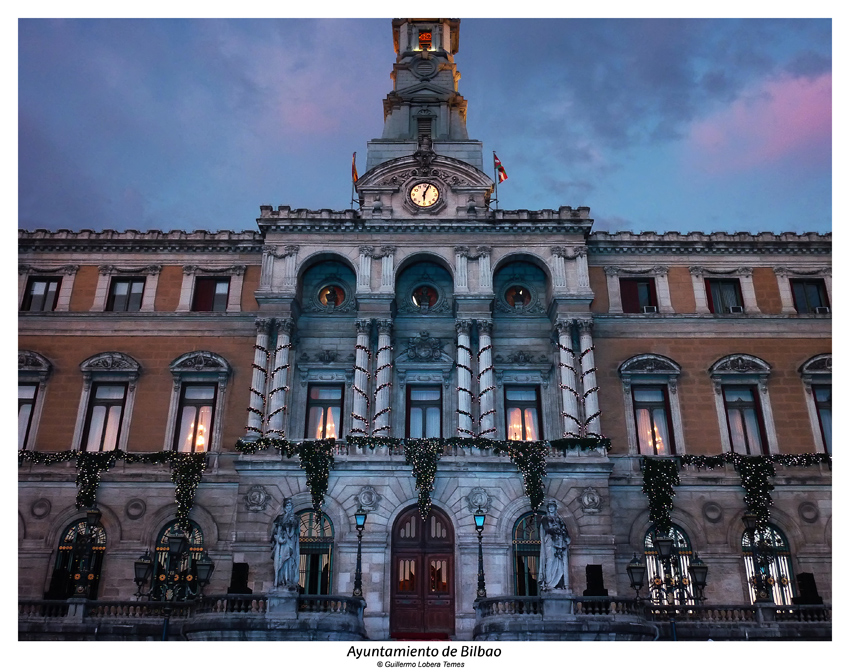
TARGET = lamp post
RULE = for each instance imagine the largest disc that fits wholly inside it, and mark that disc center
(479, 527)
(178, 582)
(636, 571)
(761, 559)
(84, 549)
(359, 523)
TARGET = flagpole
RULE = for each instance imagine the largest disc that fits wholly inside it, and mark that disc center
(353, 173)
(495, 177)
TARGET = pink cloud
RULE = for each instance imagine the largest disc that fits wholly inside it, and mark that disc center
(778, 120)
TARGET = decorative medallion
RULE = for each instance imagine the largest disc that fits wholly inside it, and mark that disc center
(713, 512)
(135, 509)
(423, 348)
(40, 508)
(591, 502)
(808, 512)
(367, 499)
(478, 499)
(257, 498)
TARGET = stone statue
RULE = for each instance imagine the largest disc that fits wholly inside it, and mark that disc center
(554, 543)
(285, 551)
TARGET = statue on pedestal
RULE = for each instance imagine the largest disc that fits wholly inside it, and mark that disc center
(554, 545)
(285, 551)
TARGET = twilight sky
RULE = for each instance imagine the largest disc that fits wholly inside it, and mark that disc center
(683, 125)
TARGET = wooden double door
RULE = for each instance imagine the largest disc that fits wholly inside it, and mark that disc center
(422, 595)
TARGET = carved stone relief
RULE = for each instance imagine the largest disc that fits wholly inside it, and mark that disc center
(257, 499)
(478, 499)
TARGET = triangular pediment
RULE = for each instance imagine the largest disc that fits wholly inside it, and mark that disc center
(426, 89)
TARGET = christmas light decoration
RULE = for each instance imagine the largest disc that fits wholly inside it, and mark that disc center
(660, 475)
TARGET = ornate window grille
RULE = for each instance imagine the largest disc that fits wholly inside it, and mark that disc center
(669, 583)
(526, 552)
(316, 544)
(772, 543)
(161, 588)
(75, 573)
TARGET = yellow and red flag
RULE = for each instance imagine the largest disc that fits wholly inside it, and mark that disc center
(500, 169)
(354, 167)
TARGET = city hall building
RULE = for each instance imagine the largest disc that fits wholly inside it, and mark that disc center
(527, 359)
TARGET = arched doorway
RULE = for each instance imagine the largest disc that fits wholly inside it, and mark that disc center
(422, 590)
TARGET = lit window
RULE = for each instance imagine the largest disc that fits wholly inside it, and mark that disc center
(26, 403)
(425, 40)
(424, 412)
(809, 294)
(744, 418)
(652, 420)
(103, 422)
(211, 294)
(637, 294)
(424, 296)
(331, 295)
(523, 413)
(724, 296)
(671, 577)
(823, 404)
(163, 572)
(324, 410)
(526, 545)
(125, 295)
(517, 296)
(42, 294)
(316, 544)
(197, 404)
(775, 561)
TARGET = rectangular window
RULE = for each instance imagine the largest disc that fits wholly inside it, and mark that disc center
(652, 420)
(324, 411)
(26, 403)
(522, 408)
(41, 294)
(823, 404)
(103, 421)
(125, 295)
(211, 294)
(195, 415)
(809, 294)
(637, 293)
(423, 127)
(424, 40)
(724, 296)
(743, 415)
(424, 412)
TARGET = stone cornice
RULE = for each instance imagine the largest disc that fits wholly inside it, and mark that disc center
(709, 243)
(109, 240)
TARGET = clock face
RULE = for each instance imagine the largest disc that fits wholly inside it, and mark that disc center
(424, 194)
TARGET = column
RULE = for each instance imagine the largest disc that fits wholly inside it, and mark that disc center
(290, 256)
(700, 296)
(266, 267)
(364, 276)
(588, 379)
(257, 405)
(582, 272)
(280, 374)
(486, 394)
(360, 403)
(461, 283)
(748, 290)
(387, 268)
(612, 278)
(381, 421)
(464, 379)
(569, 393)
(559, 273)
(485, 278)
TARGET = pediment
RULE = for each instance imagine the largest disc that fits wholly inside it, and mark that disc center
(429, 89)
(453, 173)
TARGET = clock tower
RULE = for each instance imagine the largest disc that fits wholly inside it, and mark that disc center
(424, 164)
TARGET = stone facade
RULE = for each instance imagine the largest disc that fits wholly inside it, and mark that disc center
(467, 335)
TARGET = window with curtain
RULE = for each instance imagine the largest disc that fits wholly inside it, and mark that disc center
(637, 293)
(424, 412)
(26, 403)
(41, 294)
(195, 417)
(652, 420)
(526, 552)
(103, 420)
(125, 295)
(676, 570)
(823, 404)
(324, 411)
(211, 294)
(316, 543)
(522, 408)
(773, 545)
(723, 294)
(809, 293)
(743, 415)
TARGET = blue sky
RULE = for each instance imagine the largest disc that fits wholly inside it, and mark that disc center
(684, 125)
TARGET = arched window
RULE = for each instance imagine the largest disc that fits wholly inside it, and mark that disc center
(773, 547)
(669, 582)
(76, 572)
(526, 546)
(162, 572)
(317, 544)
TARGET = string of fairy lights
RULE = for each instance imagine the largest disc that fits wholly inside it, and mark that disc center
(381, 367)
(361, 392)
(580, 398)
(661, 475)
(264, 398)
(481, 394)
(186, 472)
(470, 393)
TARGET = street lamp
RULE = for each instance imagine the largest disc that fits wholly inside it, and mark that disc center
(636, 571)
(180, 576)
(84, 549)
(699, 573)
(359, 523)
(761, 559)
(479, 527)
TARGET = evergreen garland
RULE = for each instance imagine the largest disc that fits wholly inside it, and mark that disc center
(422, 455)
(530, 458)
(186, 472)
(660, 475)
(755, 473)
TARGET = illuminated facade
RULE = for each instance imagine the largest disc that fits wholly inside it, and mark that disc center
(426, 313)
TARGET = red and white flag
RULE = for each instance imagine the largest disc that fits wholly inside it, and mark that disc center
(500, 169)
(354, 167)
